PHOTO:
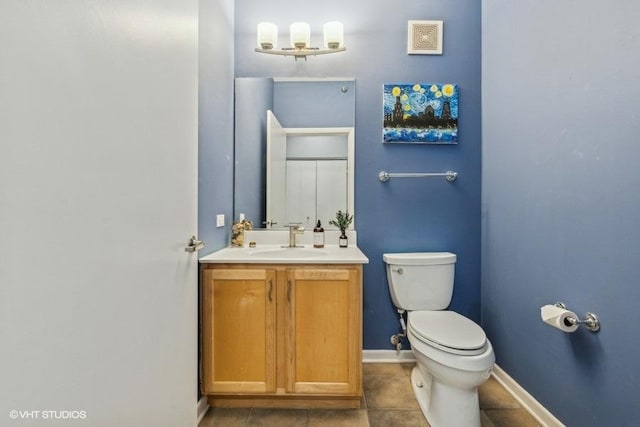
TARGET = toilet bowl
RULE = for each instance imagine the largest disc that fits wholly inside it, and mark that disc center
(445, 381)
(453, 355)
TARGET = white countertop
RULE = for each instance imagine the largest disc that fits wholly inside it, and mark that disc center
(276, 254)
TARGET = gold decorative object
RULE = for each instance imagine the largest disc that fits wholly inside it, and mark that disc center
(237, 232)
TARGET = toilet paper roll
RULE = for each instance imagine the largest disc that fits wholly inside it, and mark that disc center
(555, 316)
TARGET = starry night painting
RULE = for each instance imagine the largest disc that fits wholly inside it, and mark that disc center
(422, 113)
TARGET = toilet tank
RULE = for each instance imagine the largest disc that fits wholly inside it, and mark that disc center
(420, 280)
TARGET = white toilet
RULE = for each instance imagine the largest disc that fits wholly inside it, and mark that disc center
(453, 354)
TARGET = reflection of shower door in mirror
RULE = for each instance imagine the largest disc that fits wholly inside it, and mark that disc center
(309, 174)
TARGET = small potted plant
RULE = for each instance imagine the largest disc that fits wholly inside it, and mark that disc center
(342, 221)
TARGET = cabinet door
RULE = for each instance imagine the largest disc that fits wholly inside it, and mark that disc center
(323, 327)
(238, 331)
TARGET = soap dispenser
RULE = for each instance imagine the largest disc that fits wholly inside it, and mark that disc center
(318, 236)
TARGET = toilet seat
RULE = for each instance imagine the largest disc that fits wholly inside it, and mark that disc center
(448, 331)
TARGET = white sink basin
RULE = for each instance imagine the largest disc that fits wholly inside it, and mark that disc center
(288, 253)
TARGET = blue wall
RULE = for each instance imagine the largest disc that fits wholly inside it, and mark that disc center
(400, 215)
(215, 128)
(561, 200)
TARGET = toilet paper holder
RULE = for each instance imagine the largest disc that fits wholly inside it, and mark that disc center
(590, 320)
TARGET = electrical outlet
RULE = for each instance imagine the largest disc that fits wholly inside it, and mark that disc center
(220, 220)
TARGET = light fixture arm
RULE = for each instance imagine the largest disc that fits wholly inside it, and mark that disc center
(300, 52)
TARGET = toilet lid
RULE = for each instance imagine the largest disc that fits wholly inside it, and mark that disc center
(448, 329)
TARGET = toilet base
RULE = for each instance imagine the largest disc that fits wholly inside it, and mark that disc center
(443, 405)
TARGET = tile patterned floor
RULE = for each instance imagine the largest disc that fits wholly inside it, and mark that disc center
(388, 402)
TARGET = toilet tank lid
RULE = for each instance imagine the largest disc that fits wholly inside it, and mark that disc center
(419, 258)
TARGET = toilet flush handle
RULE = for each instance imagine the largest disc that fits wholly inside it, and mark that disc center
(398, 270)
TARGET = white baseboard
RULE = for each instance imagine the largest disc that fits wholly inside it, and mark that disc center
(528, 402)
(203, 405)
(387, 356)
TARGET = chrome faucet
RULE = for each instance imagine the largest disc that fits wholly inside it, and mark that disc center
(293, 230)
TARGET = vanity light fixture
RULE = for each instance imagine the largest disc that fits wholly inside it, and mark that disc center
(300, 38)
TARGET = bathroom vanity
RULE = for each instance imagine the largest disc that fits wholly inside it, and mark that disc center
(282, 327)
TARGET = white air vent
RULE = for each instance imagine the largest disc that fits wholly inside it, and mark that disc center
(425, 37)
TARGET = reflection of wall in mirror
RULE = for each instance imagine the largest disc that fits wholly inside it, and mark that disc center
(296, 103)
(254, 96)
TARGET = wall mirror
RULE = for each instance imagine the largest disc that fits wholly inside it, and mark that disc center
(294, 150)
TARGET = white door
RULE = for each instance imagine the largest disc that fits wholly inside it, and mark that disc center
(276, 171)
(98, 155)
(331, 189)
(301, 193)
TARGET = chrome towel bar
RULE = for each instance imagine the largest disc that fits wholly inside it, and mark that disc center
(385, 176)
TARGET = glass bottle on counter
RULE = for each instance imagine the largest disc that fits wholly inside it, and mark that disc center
(318, 236)
(343, 240)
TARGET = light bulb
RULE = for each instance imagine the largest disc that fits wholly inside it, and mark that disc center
(267, 35)
(333, 35)
(300, 35)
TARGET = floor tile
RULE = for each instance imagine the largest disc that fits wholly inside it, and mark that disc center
(384, 368)
(363, 402)
(386, 418)
(389, 392)
(407, 368)
(492, 395)
(338, 418)
(278, 417)
(236, 417)
(485, 421)
(511, 418)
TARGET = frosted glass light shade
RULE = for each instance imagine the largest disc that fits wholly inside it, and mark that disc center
(333, 35)
(300, 33)
(267, 35)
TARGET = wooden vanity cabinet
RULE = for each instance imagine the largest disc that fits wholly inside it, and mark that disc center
(282, 335)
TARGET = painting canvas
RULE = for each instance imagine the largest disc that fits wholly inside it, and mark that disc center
(422, 113)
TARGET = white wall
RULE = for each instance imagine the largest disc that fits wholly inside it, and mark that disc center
(98, 133)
